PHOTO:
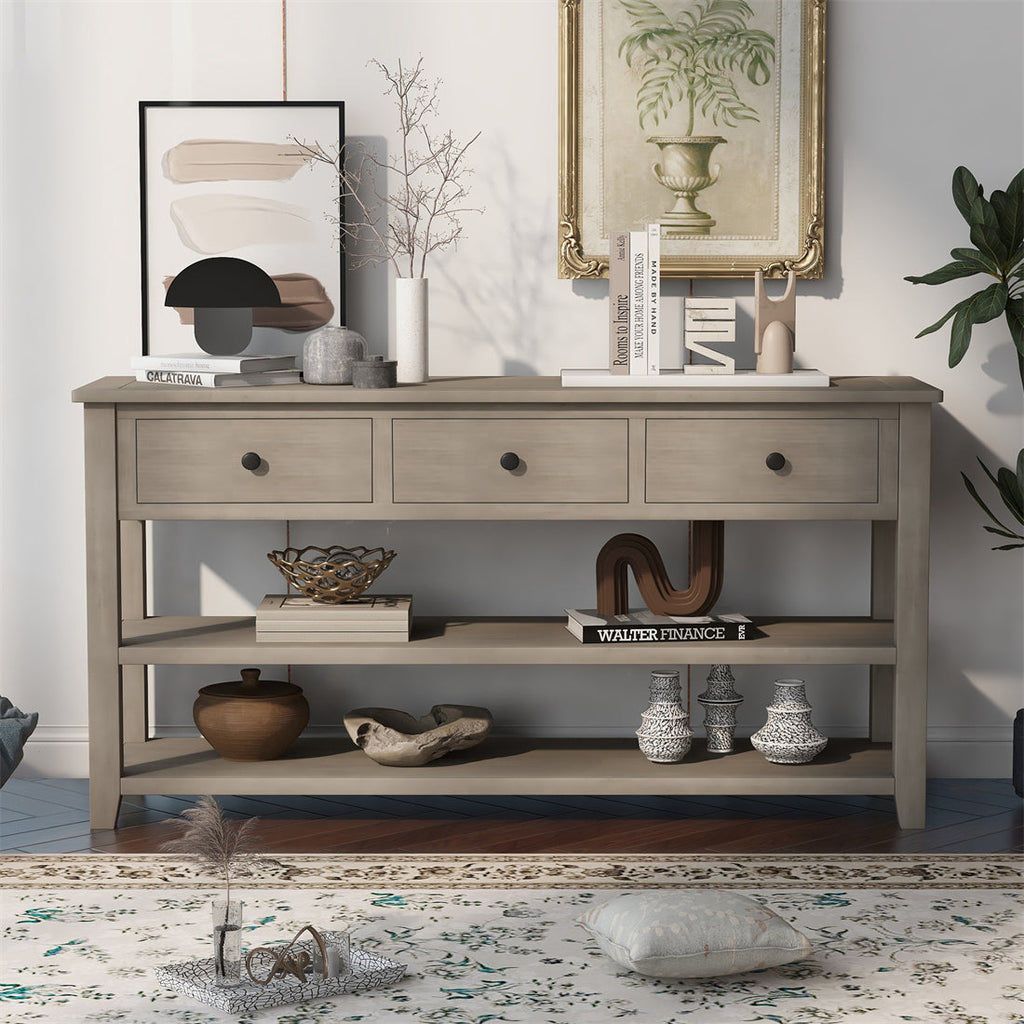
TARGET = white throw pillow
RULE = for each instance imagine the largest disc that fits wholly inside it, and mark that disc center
(688, 933)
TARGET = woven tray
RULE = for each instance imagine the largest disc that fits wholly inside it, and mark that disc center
(195, 978)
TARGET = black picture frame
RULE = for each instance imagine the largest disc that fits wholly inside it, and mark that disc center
(314, 120)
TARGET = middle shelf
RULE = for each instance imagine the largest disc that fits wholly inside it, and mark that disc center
(231, 640)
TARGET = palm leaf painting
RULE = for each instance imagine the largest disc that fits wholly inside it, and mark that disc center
(694, 57)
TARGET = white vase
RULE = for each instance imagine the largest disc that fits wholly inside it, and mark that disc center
(411, 319)
(788, 737)
(720, 702)
(664, 735)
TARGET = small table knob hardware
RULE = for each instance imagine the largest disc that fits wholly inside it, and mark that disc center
(250, 460)
(509, 461)
(776, 460)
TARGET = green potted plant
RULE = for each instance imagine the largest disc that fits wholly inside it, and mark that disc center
(997, 250)
(692, 57)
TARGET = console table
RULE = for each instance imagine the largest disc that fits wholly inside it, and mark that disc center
(857, 450)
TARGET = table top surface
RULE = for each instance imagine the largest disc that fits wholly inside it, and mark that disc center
(506, 391)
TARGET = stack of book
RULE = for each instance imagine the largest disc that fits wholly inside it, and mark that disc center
(646, 627)
(634, 290)
(367, 619)
(199, 370)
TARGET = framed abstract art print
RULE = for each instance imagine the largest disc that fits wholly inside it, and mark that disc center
(228, 180)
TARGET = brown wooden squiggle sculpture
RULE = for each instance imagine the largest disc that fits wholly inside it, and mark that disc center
(631, 551)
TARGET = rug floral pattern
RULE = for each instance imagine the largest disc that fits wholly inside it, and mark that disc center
(485, 956)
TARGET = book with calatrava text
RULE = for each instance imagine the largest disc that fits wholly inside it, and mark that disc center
(199, 379)
(644, 626)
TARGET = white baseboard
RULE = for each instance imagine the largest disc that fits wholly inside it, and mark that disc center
(954, 752)
(56, 752)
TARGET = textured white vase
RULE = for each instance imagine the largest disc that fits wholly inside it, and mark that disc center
(411, 329)
(665, 735)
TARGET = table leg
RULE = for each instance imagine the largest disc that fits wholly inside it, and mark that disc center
(910, 613)
(103, 557)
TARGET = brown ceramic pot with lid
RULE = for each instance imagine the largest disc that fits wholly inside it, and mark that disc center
(250, 719)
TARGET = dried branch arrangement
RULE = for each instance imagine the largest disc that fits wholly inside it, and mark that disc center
(423, 213)
(230, 848)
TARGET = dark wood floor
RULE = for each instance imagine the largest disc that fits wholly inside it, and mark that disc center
(964, 816)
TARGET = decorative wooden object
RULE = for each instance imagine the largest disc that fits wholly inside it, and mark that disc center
(333, 574)
(251, 720)
(774, 327)
(631, 551)
(709, 321)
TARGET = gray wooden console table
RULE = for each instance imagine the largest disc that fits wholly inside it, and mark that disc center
(857, 450)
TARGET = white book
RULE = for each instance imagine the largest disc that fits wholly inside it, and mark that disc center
(393, 636)
(653, 299)
(196, 379)
(366, 608)
(618, 303)
(587, 378)
(203, 363)
(638, 302)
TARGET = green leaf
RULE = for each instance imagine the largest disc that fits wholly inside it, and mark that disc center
(984, 263)
(965, 190)
(985, 231)
(1007, 547)
(1015, 321)
(1010, 491)
(938, 323)
(1017, 184)
(978, 309)
(950, 272)
(1009, 499)
(972, 490)
(1009, 211)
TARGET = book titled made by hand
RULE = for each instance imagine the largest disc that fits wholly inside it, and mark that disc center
(645, 627)
(199, 379)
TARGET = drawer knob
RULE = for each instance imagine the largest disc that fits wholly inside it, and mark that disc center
(509, 461)
(776, 460)
(250, 460)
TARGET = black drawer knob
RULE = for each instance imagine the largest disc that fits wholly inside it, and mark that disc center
(776, 460)
(509, 461)
(250, 460)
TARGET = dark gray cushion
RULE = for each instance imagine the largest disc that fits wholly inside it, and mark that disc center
(15, 729)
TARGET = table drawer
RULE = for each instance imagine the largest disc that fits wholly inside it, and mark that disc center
(724, 460)
(560, 460)
(198, 460)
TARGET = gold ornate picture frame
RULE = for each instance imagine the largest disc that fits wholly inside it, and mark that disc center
(706, 116)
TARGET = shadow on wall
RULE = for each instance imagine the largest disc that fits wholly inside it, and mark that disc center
(504, 297)
(367, 282)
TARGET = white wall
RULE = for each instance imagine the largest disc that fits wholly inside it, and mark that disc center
(914, 88)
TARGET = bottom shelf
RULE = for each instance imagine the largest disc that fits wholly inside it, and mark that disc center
(508, 767)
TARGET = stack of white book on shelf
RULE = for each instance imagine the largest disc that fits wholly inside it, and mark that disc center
(367, 619)
(199, 370)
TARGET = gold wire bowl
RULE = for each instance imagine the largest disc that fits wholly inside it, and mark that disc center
(333, 574)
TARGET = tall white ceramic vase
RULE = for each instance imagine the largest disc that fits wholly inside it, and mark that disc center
(411, 320)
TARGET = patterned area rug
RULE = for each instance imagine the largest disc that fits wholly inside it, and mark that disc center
(492, 938)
